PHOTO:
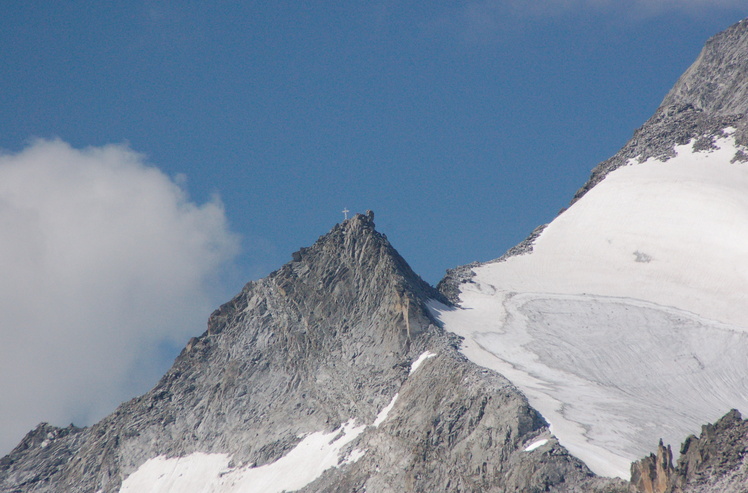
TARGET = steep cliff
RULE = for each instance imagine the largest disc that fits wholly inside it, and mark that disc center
(714, 462)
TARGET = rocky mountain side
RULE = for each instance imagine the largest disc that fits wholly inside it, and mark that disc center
(328, 338)
(716, 461)
(717, 82)
(710, 96)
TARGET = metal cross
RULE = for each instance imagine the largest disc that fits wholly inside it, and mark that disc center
(346, 211)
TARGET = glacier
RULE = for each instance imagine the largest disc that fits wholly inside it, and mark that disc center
(628, 321)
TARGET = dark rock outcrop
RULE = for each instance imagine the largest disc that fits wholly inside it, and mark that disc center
(716, 461)
(718, 457)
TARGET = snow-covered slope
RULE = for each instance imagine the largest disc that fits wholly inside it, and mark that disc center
(628, 321)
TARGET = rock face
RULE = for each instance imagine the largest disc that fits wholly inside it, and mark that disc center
(330, 337)
(717, 82)
(37, 459)
(716, 461)
(711, 95)
(653, 474)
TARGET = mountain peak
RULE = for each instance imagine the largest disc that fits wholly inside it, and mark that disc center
(711, 96)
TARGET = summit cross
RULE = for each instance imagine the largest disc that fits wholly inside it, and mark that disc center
(345, 213)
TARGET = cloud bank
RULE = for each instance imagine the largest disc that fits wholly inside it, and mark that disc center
(104, 261)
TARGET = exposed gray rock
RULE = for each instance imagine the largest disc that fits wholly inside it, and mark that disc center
(328, 337)
(40, 455)
(717, 82)
(716, 461)
(449, 286)
(457, 427)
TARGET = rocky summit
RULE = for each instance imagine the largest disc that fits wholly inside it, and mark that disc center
(328, 339)
(337, 372)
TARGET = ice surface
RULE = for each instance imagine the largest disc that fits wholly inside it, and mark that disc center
(628, 321)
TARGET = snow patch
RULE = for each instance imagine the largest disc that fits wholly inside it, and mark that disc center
(536, 444)
(423, 357)
(355, 455)
(210, 473)
(385, 412)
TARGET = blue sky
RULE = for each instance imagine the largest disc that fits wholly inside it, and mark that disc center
(463, 125)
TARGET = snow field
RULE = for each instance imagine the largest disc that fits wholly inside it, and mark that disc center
(210, 473)
(536, 444)
(385, 412)
(627, 322)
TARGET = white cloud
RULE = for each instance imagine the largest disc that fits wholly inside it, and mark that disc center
(103, 260)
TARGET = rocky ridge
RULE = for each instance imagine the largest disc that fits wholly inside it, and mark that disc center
(716, 461)
(709, 97)
(327, 338)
